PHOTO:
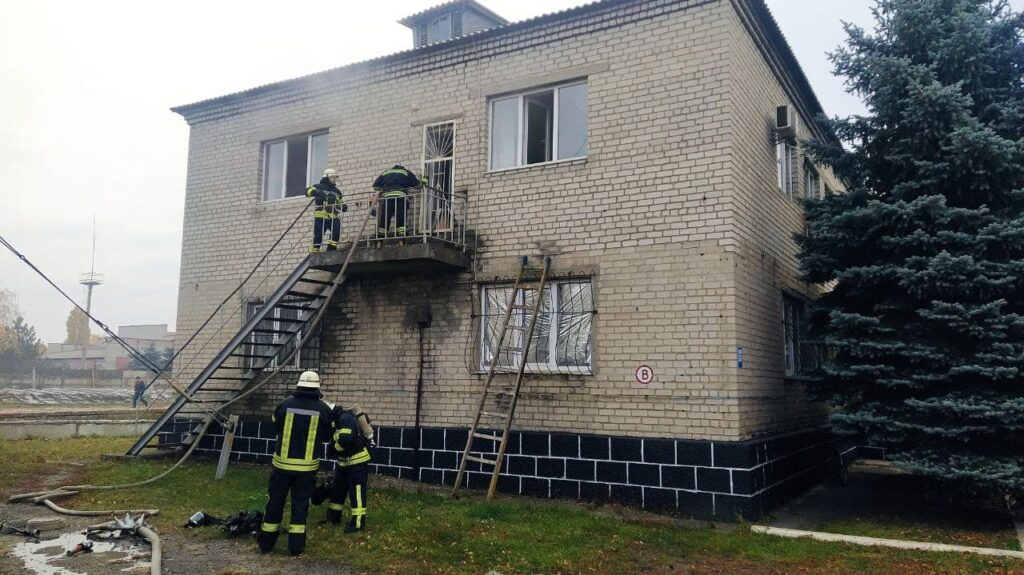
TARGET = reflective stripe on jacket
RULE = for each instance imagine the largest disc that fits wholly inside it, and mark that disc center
(303, 423)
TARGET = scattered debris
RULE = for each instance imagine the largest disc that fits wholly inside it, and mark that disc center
(83, 547)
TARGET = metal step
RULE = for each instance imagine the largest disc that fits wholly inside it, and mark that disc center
(318, 282)
(479, 435)
(303, 295)
(290, 306)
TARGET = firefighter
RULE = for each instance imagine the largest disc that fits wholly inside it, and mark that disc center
(350, 471)
(303, 423)
(392, 185)
(327, 217)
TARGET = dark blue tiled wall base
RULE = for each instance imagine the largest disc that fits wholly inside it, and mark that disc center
(703, 479)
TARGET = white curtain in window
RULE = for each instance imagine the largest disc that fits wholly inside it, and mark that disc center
(575, 316)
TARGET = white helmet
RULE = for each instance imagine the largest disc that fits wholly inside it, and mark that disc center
(331, 173)
(309, 380)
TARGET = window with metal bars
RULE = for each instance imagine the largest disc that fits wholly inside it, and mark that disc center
(563, 336)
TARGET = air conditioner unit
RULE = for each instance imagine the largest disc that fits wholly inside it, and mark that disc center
(785, 123)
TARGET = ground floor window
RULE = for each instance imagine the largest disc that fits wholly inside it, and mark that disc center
(563, 336)
(799, 355)
(286, 323)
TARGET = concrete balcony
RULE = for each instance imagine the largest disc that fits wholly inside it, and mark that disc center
(435, 237)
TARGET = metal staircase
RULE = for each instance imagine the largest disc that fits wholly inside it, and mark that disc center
(266, 339)
(497, 404)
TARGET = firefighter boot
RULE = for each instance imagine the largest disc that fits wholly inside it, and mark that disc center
(356, 523)
(266, 540)
(296, 540)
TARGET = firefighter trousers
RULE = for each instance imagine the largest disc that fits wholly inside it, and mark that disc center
(349, 480)
(301, 486)
(394, 207)
(329, 227)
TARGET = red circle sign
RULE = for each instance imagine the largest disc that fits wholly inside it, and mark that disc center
(644, 374)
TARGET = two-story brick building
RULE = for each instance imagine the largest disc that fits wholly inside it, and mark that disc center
(637, 143)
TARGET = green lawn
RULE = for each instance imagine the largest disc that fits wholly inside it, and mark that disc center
(427, 532)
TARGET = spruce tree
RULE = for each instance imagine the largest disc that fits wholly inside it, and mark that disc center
(924, 253)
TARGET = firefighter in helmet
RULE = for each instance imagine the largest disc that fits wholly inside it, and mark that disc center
(329, 207)
(392, 185)
(303, 424)
(350, 446)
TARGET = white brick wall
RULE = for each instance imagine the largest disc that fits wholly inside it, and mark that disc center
(674, 211)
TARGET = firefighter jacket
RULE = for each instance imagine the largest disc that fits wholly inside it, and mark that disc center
(303, 423)
(327, 199)
(349, 445)
(394, 181)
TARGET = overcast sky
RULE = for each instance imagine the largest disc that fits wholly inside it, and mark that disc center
(86, 127)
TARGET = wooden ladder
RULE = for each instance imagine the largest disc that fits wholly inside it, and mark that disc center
(503, 405)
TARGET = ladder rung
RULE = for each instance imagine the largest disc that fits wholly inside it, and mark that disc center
(276, 331)
(532, 287)
(532, 269)
(479, 435)
(515, 349)
(523, 307)
(226, 378)
(480, 460)
(495, 415)
(250, 355)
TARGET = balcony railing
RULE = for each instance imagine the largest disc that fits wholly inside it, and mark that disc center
(426, 214)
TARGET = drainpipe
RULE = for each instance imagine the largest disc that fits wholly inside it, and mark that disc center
(423, 323)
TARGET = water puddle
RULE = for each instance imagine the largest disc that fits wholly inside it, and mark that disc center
(49, 557)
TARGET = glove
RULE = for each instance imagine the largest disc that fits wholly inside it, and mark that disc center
(344, 207)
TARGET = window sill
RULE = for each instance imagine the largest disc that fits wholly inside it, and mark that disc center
(582, 372)
(280, 200)
(569, 161)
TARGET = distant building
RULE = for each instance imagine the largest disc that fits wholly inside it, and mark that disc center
(107, 354)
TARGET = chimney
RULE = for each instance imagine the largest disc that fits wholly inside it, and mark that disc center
(449, 21)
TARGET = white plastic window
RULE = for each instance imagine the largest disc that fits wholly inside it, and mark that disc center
(291, 164)
(539, 126)
(785, 154)
(562, 337)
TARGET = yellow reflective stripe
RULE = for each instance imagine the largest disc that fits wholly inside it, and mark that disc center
(390, 171)
(361, 457)
(335, 506)
(296, 529)
(270, 527)
(393, 194)
(314, 422)
(359, 500)
(286, 436)
(286, 464)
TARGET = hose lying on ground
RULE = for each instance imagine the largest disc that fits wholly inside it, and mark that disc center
(81, 513)
(156, 553)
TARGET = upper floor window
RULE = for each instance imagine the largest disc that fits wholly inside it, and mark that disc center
(291, 164)
(539, 126)
(812, 182)
(561, 340)
(439, 156)
(785, 158)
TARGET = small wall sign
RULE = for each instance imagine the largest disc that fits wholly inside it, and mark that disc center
(644, 374)
(739, 357)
